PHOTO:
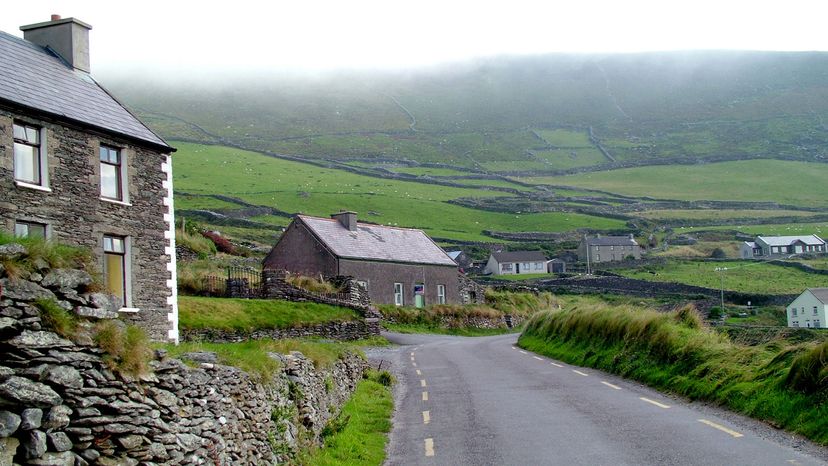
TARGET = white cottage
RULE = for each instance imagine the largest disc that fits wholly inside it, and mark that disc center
(809, 309)
(516, 263)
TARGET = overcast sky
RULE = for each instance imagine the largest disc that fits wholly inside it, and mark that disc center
(314, 34)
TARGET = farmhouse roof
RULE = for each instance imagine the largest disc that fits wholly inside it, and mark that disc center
(750, 244)
(36, 79)
(820, 293)
(454, 254)
(788, 240)
(377, 242)
(519, 256)
(611, 241)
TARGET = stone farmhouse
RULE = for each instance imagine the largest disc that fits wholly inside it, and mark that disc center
(516, 263)
(399, 266)
(768, 247)
(809, 309)
(78, 167)
(608, 249)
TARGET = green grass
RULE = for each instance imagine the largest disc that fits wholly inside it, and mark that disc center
(298, 187)
(755, 180)
(561, 159)
(785, 229)
(782, 383)
(742, 276)
(565, 137)
(721, 214)
(362, 440)
(246, 315)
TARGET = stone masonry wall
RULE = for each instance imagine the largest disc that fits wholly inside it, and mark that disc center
(345, 331)
(74, 212)
(61, 404)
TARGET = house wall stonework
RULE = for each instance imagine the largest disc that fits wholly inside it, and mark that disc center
(76, 214)
(381, 277)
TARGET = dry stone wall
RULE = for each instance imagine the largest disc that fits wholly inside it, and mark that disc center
(61, 404)
(343, 331)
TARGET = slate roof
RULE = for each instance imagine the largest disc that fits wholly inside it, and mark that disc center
(519, 256)
(454, 254)
(788, 240)
(34, 77)
(820, 293)
(751, 244)
(377, 242)
(611, 241)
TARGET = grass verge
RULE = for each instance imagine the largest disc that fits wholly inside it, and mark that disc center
(250, 314)
(362, 429)
(458, 331)
(778, 382)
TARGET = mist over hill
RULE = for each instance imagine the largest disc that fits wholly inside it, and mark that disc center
(483, 115)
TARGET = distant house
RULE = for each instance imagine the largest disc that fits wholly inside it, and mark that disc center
(399, 266)
(809, 309)
(461, 258)
(768, 247)
(516, 263)
(556, 266)
(79, 168)
(608, 249)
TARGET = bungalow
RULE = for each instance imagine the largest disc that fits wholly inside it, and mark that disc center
(608, 249)
(809, 309)
(78, 167)
(516, 263)
(768, 247)
(399, 266)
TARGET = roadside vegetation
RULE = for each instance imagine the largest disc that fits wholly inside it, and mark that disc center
(247, 315)
(358, 435)
(50, 253)
(780, 382)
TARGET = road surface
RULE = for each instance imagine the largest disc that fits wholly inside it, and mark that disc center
(483, 401)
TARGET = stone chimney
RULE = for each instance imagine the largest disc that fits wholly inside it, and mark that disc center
(348, 219)
(68, 37)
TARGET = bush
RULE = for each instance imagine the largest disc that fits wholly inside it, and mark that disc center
(222, 244)
(311, 284)
(202, 246)
(127, 347)
(61, 321)
(718, 253)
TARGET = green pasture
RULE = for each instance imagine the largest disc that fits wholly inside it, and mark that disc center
(565, 137)
(719, 214)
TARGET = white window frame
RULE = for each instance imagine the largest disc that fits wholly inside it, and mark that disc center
(441, 294)
(123, 177)
(399, 294)
(127, 306)
(506, 267)
(42, 159)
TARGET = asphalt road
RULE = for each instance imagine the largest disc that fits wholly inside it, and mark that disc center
(483, 401)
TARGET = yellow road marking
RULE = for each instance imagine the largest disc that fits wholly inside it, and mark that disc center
(539, 359)
(426, 417)
(660, 405)
(721, 428)
(429, 447)
(522, 352)
(418, 372)
(616, 387)
(425, 396)
(555, 364)
(422, 383)
(580, 373)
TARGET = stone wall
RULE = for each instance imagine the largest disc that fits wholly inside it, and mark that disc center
(74, 212)
(346, 331)
(62, 404)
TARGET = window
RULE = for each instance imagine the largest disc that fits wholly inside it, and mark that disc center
(795, 324)
(111, 174)
(29, 230)
(441, 294)
(816, 323)
(527, 266)
(794, 312)
(597, 258)
(29, 163)
(115, 276)
(363, 284)
(506, 267)
(612, 248)
(538, 265)
(815, 310)
(398, 294)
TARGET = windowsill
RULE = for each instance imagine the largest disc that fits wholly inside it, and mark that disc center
(115, 201)
(36, 187)
(130, 310)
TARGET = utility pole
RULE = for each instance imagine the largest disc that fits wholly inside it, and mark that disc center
(721, 275)
(586, 240)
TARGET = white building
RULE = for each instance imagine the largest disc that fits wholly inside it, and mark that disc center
(516, 263)
(781, 246)
(809, 309)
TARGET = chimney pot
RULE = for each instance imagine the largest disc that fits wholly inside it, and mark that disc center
(55, 18)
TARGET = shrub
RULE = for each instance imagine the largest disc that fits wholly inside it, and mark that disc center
(809, 371)
(381, 377)
(221, 243)
(202, 246)
(311, 284)
(53, 254)
(718, 253)
(127, 347)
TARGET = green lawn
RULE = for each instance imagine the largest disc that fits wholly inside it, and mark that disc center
(560, 159)
(298, 187)
(743, 276)
(565, 137)
(784, 182)
(250, 314)
(721, 214)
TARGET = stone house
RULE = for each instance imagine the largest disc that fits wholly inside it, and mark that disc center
(608, 249)
(78, 167)
(809, 309)
(399, 266)
(768, 247)
(515, 263)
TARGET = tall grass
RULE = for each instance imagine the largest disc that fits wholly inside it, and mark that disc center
(200, 245)
(782, 383)
(246, 315)
(521, 304)
(53, 254)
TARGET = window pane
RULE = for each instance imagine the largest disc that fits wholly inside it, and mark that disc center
(21, 230)
(110, 181)
(114, 275)
(113, 244)
(19, 132)
(26, 163)
(32, 230)
(32, 135)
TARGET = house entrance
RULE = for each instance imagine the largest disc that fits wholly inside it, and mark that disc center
(517, 268)
(419, 295)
